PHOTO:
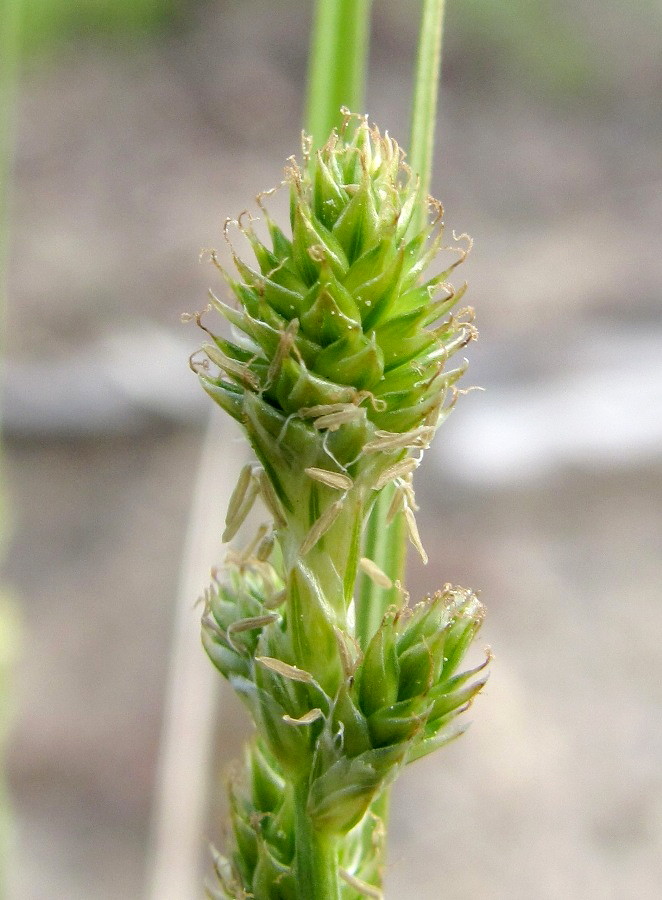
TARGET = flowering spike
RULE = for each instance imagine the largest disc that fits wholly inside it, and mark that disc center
(339, 382)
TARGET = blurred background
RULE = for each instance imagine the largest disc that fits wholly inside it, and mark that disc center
(141, 125)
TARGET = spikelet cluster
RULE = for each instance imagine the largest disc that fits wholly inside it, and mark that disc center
(337, 370)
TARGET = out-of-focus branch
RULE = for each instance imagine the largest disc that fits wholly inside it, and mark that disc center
(183, 787)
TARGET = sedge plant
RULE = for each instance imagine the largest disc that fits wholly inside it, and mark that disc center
(339, 369)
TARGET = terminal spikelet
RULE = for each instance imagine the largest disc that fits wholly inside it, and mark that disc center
(341, 312)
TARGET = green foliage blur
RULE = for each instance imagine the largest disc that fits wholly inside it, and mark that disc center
(48, 24)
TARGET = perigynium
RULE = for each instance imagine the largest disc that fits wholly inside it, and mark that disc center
(337, 371)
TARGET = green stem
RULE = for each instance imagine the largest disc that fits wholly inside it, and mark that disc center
(386, 545)
(424, 107)
(316, 863)
(338, 55)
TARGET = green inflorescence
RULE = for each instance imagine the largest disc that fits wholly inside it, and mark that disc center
(337, 372)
